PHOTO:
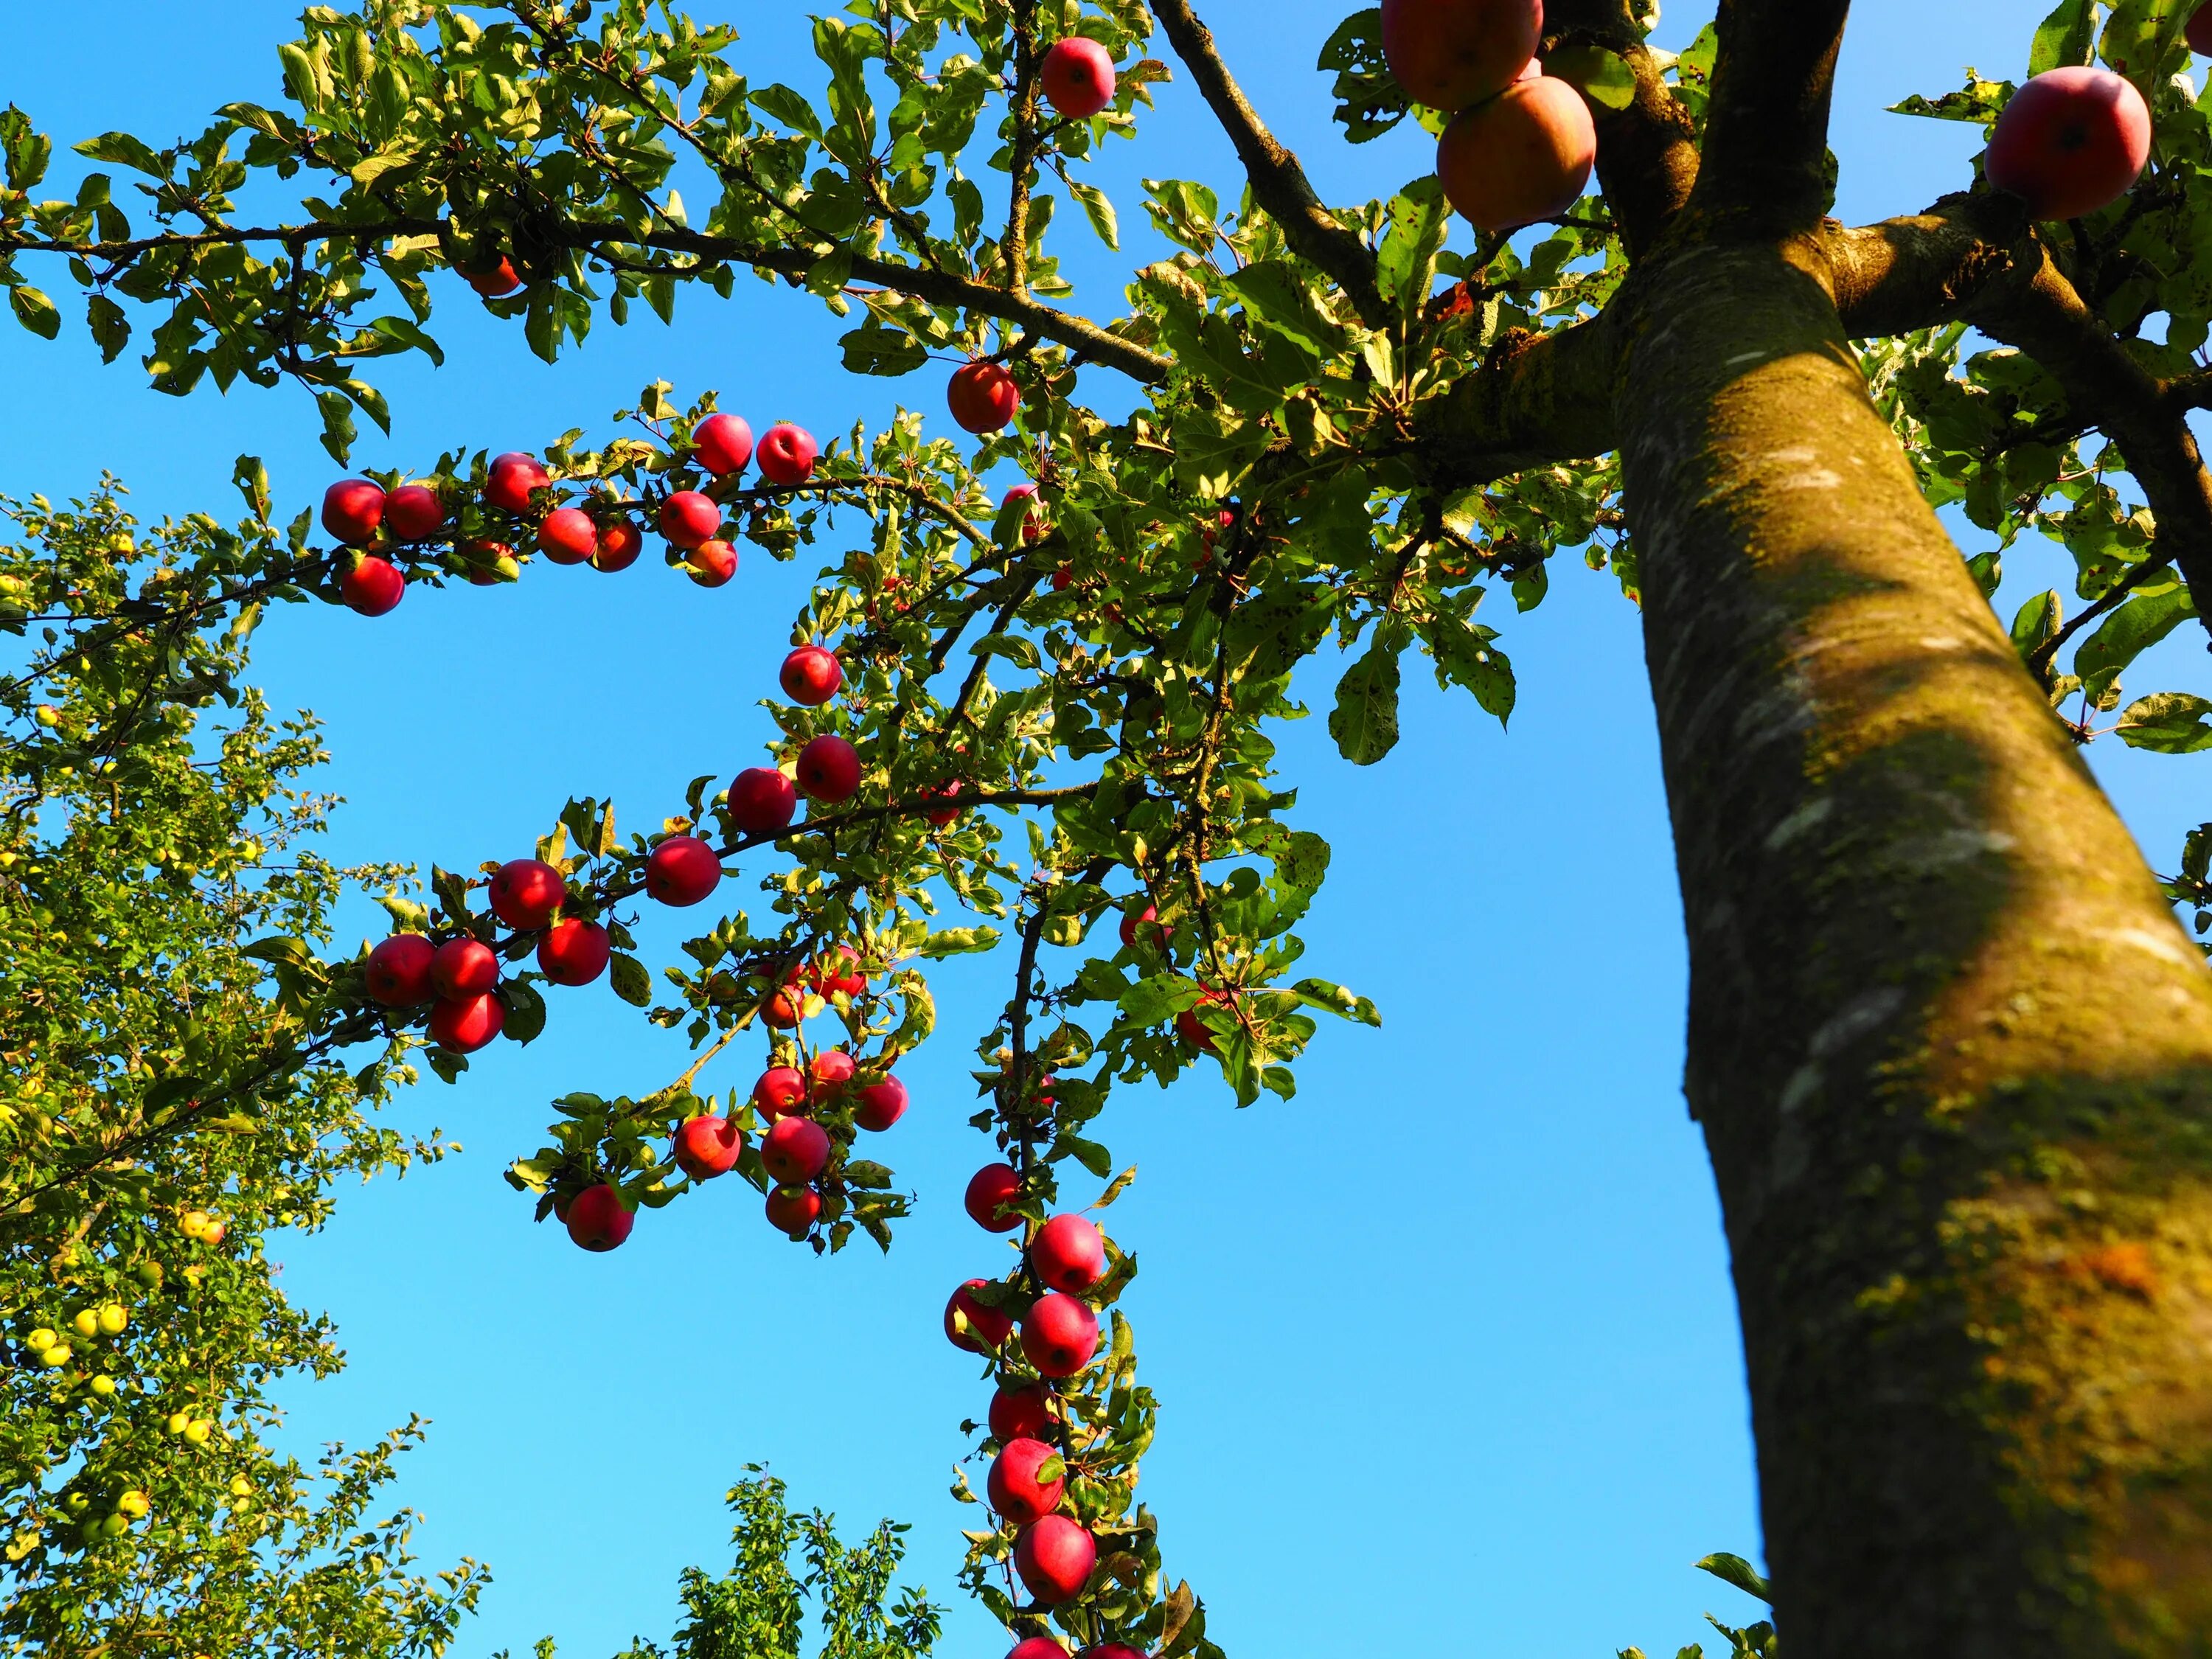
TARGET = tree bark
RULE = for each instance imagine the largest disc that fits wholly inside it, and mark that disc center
(1951, 1052)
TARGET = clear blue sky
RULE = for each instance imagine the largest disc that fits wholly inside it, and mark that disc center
(1446, 1345)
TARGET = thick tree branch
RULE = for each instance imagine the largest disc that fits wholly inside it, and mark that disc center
(1766, 139)
(1647, 154)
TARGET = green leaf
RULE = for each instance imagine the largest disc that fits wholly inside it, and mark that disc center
(1406, 264)
(1364, 721)
(1466, 658)
(1369, 100)
(35, 312)
(781, 103)
(631, 982)
(2151, 612)
(111, 328)
(1603, 77)
(526, 1011)
(404, 331)
(125, 150)
(873, 349)
(2167, 723)
(2141, 36)
(1099, 209)
(2037, 623)
(1335, 1000)
(1734, 1569)
(26, 149)
(2066, 39)
(1089, 1153)
(959, 941)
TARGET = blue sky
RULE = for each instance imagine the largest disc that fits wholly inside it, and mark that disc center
(1446, 1345)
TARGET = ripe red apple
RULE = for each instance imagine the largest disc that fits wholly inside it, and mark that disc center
(466, 1023)
(828, 769)
(1449, 54)
(682, 870)
(464, 968)
(1059, 1334)
(1068, 1254)
(620, 542)
(788, 1006)
(992, 1327)
(786, 454)
(574, 951)
(1032, 522)
(1078, 77)
(941, 816)
(988, 1189)
(2199, 29)
(811, 675)
(1525, 154)
(761, 801)
(597, 1219)
(839, 972)
(1036, 1647)
(399, 971)
(983, 395)
(1194, 1031)
(2070, 141)
(413, 513)
(828, 1072)
(568, 536)
(1022, 1413)
(794, 1150)
(496, 284)
(706, 1146)
(712, 564)
(1013, 1485)
(352, 509)
(722, 444)
(880, 1105)
(1144, 924)
(782, 1090)
(1054, 1557)
(687, 518)
(1112, 1650)
(512, 477)
(793, 1210)
(373, 586)
(525, 892)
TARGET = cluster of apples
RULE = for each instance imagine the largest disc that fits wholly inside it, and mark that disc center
(362, 515)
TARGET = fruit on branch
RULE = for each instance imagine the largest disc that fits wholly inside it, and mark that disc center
(682, 870)
(574, 951)
(989, 1188)
(712, 564)
(722, 444)
(811, 675)
(1449, 54)
(1143, 924)
(687, 518)
(352, 509)
(525, 892)
(397, 974)
(513, 479)
(1032, 521)
(792, 1003)
(1077, 78)
(496, 284)
(1015, 1488)
(1112, 1650)
(786, 454)
(2199, 29)
(198, 1224)
(1194, 1031)
(706, 1146)
(795, 1150)
(982, 395)
(1054, 1557)
(761, 801)
(2070, 141)
(941, 816)
(1068, 1254)
(793, 1209)
(987, 1328)
(413, 513)
(597, 1219)
(828, 769)
(374, 585)
(464, 1024)
(880, 1105)
(488, 562)
(782, 1090)
(620, 542)
(1020, 1413)
(1524, 155)
(1059, 1334)
(827, 1072)
(1036, 1647)
(568, 536)
(464, 968)
(840, 972)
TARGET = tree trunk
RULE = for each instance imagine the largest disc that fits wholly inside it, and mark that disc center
(1951, 1054)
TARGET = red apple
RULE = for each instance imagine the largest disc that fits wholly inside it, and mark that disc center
(620, 542)
(574, 951)
(597, 1219)
(374, 585)
(1016, 1490)
(782, 1090)
(413, 513)
(941, 816)
(722, 444)
(464, 968)
(1032, 525)
(682, 870)
(712, 564)
(1054, 1557)
(988, 1189)
(794, 1150)
(1059, 1334)
(1068, 1254)
(512, 478)
(1112, 1650)
(398, 970)
(1524, 155)
(811, 675)
(525, 892)
(707, 1146)
(2070, 141)
(828, 769)
(486, 563)
(1143, 923)
(687, 518)
(880, 1105)
(983, 395)
(1078, 77)
(1025, 1412)
(1449, 54)
(827, 1072)
(839, 972)
(788, 1006)
(465, 1024)
(352, 509)
(1194, 1031)
(568, 536)
(496, 284)
(761, 801)
(2199, 29)
(786, 454)
(1036, 1647)
(793, 1209)
(987, 1326)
